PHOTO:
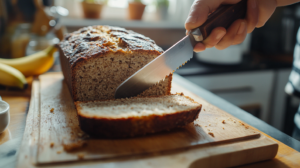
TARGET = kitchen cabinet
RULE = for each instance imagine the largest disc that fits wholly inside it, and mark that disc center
(278, 106)
(241, 89)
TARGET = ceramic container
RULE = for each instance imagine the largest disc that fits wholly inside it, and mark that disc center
(135, 10)
(92, 10)
(4, 115)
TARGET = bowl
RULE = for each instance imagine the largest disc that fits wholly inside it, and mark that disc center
(4, 115)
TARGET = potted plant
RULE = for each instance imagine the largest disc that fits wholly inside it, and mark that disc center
(135, 10)
(92, 8)
(162, 7)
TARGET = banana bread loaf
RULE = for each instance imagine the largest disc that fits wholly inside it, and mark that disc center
(95, 60)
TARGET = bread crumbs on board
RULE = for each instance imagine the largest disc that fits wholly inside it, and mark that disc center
(52, 110)
(80, 156)
(51, 145)
(223, 121)
(197, 125)
(76, 145)
(211, 134)
(58, 152)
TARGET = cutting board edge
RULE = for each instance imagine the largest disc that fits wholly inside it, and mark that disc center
(271, 147)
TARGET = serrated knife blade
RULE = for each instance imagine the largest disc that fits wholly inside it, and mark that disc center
(157, 69)
(179, 53)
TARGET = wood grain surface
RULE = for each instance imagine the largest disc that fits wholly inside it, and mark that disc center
(231, 142)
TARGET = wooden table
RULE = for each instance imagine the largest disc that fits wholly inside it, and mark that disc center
(10, 140)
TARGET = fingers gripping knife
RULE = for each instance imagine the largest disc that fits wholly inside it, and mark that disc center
(179, 53)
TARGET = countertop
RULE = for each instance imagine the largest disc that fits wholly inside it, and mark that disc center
(286, 157)
(249, 63)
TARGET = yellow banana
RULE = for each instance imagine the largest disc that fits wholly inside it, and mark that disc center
(10, 76)
(34, 64)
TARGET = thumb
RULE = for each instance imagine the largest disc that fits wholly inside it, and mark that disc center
(198, 14)
(200, 11)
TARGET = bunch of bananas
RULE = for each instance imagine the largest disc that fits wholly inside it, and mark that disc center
(14, 71)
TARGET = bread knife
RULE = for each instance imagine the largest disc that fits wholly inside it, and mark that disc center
(179, 53)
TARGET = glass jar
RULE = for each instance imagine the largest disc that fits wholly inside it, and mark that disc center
(38, 43)
(20, 40)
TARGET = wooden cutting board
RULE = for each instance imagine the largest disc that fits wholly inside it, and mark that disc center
(215, 139)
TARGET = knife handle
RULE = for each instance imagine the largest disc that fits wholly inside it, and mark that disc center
(224, 16)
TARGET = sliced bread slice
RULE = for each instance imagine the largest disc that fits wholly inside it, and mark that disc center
(122, 118)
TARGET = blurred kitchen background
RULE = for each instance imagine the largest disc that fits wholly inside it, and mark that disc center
(251, 75)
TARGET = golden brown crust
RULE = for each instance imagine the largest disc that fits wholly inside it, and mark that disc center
(87, 42)
(135, 126)
(67, 71)
(170, 77)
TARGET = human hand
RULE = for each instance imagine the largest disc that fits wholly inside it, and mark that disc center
(258, 12)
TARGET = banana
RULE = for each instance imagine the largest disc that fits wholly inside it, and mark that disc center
(34, 64)
(10, 76)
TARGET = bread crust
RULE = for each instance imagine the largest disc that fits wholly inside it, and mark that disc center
(101, 127)
(86, 43)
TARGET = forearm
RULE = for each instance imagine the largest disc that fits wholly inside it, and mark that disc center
(286, 2)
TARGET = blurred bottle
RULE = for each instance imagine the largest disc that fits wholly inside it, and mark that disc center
(4, 49)
(3, 18)
(20, 40)
(13, 13)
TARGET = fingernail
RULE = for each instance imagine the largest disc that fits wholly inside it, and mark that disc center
(191, 19)
(242, 28)
(187, 32)
(253, 3)
(220, 35)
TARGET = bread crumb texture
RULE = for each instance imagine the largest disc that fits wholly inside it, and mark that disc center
(102, 57)
(75, 145)
(80, 156)
(51, 144)
(136, 107)
(211, 134)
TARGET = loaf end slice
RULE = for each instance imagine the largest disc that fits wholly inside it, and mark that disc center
(95, 60)
(136, 116)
